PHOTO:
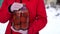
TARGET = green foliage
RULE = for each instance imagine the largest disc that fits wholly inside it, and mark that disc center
(1, 2)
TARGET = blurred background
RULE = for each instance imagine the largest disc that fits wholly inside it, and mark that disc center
(53, 17)
(1, 2)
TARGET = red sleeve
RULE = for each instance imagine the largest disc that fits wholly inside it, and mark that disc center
(41, 20)
(4, 13)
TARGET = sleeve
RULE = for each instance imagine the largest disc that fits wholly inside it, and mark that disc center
(41, 20)
(4, 13)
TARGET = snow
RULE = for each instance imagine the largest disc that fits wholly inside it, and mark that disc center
(52, 27)
(53, 24)
(3, 27)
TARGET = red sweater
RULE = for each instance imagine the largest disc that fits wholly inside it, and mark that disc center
(38, 18)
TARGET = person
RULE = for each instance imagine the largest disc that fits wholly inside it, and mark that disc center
(20, 18)
(37, 15)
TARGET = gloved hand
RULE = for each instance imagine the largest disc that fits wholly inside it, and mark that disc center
(23, 31)
(20, 31)
(16, 6)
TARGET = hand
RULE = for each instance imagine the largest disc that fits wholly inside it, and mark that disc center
(23, 31)
(16, 6)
